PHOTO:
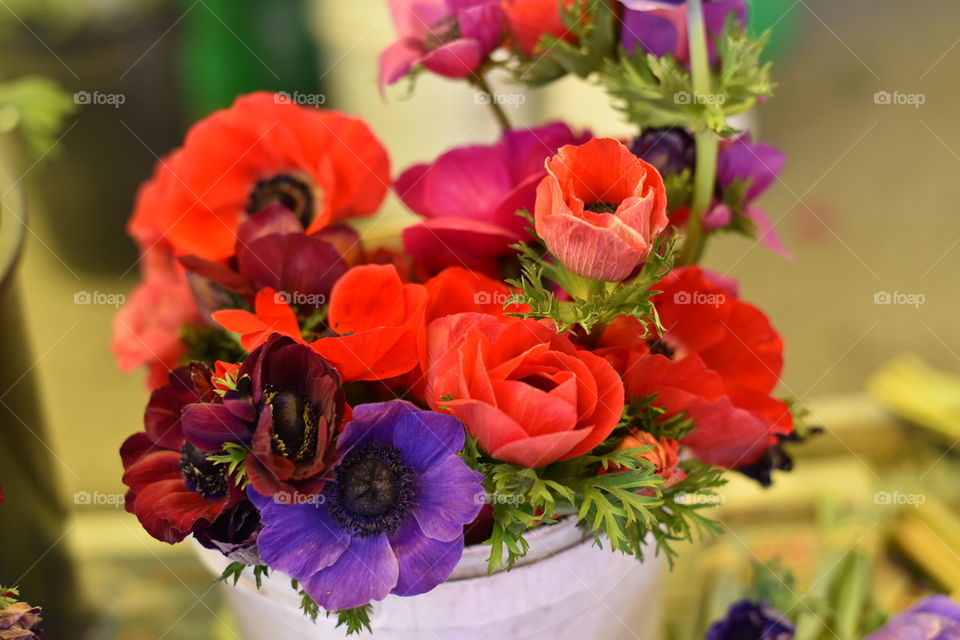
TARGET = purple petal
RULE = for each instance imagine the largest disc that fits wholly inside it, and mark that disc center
(449, 496)
(424, 563)
(366, 571)
(292, 263)
(300, 539)
(482, 23)
(938, 605)
(526, 149)
(413, 18)
(274, 218)
(396, 60)
(209, 426)
(652, 33)
(470, 182)
(453, 241)
(757, 163)
(374, 422)
(455, 59)
(425, 437)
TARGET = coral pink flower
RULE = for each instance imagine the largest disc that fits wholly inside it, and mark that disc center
(600, 209)
(146, 329)
(526, 393)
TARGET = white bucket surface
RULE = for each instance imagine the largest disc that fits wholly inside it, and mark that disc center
(564, 588)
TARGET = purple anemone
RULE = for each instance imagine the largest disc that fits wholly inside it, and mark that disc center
(470, 196)
(287, 406)
(749, 620)
(449, 37)
(670, 150)
(757, 165)
(933, 618)
(234, 533)
(392, 518)
(659, 27)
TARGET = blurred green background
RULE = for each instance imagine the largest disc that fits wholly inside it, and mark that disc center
(867, 203)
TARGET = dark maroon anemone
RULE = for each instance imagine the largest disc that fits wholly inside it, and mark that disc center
(272, 250)
(173, 487)
(234, 533)
(286, 408)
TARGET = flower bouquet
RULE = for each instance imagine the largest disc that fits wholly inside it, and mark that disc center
(543, 353)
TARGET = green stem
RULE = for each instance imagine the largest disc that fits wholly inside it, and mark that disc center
(481, 82)
(707, 141)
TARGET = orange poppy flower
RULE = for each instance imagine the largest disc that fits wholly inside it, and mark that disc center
(322, 165)
(271, 315)
(378, 319)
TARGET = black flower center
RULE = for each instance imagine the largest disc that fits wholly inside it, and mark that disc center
(373, 490)
(201, 475)
(660, 347)
(294, 191)
(601, 207)
(295, 430)
(443, 32)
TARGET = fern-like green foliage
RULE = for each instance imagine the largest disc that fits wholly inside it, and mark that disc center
(37, 108)
(234, 455)
(641, 414)
(234, 571)
(591, 35)
(658, 92)
(8, 596)
(208, 344)
(594, 303)
(354, 620)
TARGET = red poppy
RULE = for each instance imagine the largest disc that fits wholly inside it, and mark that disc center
(459, 290)
(718, 361)
(173, 488)
(525, 392)
(600, 208)
(377, 319)
(322, 165)
(271, 315)
(530, 20)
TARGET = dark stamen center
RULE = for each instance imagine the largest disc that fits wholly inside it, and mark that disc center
(443, 32)
(201, 475)
(660, 346)
(294, 433)
(601, 207)
(293, 191)
(373, 490)
(540, 382)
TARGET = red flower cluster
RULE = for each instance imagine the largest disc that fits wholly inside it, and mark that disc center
(247, 244)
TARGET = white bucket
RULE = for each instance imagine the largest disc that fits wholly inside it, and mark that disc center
(564, 588)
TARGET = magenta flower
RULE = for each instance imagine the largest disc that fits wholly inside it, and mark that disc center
(757, 165)
(470, 196)
(449, 37)
(660, 26)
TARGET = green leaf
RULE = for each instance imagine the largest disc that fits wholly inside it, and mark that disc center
(37, 108)
(355, 620)
(234, 455)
